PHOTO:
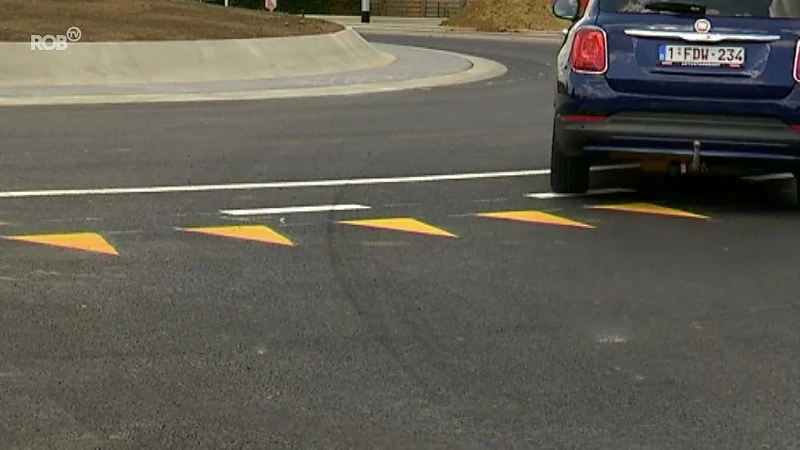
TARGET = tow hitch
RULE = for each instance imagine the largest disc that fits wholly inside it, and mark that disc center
(695, 167)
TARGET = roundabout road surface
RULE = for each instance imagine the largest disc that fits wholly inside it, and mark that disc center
(658, 319)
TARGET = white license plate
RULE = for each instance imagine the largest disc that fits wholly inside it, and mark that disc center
(694, 55)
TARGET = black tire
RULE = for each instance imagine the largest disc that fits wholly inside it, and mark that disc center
(568, 174)
(796, 174)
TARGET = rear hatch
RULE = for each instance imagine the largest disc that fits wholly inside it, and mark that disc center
(739, 49)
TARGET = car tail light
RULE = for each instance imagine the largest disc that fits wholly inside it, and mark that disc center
(797, 62)
(590, 51)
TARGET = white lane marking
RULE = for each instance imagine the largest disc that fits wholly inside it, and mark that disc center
(768, 177)
(611, 338)
(547, 195)
(287, 184)
(291, 209)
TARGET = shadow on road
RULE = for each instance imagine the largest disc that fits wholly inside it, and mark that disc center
(777, 195)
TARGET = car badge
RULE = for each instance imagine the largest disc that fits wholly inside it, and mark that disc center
(702, 26)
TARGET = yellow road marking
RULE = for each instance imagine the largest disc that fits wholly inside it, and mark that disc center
(258, 233)
(89, 242)
(406, 224)
(535, 217)
(649, 208)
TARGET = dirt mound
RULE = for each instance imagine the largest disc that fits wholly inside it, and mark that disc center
(507, 15)
(126, 20)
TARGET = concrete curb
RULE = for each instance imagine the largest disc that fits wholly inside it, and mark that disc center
(108, 63)
(454, 30)
(462, 34)
(482, 69)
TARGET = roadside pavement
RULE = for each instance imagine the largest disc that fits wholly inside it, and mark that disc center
(342, 64)
(412, 68)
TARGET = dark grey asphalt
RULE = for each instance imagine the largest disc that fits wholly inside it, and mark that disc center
(481, 127)
(643, 332)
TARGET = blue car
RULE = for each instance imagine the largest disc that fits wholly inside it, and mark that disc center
(690, 87)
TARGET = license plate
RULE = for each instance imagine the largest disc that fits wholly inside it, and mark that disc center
(693, 55)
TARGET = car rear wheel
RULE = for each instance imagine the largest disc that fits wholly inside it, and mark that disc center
(568, 174)
(796, 174)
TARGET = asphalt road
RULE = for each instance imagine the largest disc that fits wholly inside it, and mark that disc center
(600, 329)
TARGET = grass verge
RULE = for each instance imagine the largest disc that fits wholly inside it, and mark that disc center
(507, 15)
(153, 20)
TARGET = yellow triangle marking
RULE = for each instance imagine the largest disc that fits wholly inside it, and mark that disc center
(88, 242)
(401, 224)
(649, 208)
(258, 233)
(535, 217)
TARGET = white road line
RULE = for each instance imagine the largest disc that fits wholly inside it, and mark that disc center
(286, 184)
(547, 195)
(291, 209)
(769, 177)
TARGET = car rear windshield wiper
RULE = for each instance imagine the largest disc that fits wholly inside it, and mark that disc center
(677, 7)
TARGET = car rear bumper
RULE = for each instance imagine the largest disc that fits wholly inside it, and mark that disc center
(748, 140)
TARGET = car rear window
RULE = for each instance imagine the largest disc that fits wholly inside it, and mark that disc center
(738, 8)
